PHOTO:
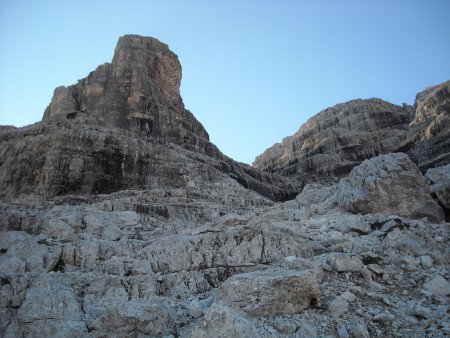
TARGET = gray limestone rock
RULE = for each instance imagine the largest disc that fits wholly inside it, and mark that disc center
(345, 263)
(223, 321)
(338, 138)
(145, 318)
(123, 126)
(439, 179)
(438, 286)
(22, 253)
(359, 330)
(428, 140)
(388, 184)
(138, 91)
(50, 309)
(271, 292)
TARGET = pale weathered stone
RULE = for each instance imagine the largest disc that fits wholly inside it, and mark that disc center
(222, 321)
(388, 184)
(346, 263)
(271, 292)
(439, 179)
(426, 261)
(359, 330)
(438, 286)
(428, 138)
(140, 317)
(338, 307)
(195, 309)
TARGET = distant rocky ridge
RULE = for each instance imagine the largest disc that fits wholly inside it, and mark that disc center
(335, 140)
(122, 220)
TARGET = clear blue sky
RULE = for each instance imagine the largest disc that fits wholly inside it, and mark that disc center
(253, 71)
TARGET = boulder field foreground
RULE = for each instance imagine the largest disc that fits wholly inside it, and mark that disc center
(119, 218)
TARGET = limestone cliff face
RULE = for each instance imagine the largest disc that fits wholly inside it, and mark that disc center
(335, 140)
(138, 91)
(428, 142)
(122, 127)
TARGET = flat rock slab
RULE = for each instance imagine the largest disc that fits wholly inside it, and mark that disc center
(270, 292)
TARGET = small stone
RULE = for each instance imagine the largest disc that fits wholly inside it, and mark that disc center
(326, 267)
(438, 239)
(412, 320)
(426, 262)
(342, 332)
(438, 286)
(357, 290)
(410, 263)
(348, 296)
(286, 328)
(195, 309)
(384, 318)
(338, 307)
(359, 330)
(346, 263)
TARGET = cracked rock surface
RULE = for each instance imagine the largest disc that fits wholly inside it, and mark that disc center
(118, 218)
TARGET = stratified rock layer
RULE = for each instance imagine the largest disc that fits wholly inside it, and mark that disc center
(123, 126)
(428, 142)
(335, 140)
(216, 259)
(138, 91)
(331, 143)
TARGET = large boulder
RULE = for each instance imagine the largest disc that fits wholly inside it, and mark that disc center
(21, 253)
(223, 321)
(50, 309)
(388, 184)
(439, 179)
(271, 292)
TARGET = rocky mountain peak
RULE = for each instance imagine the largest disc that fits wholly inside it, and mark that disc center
(123, 126)
(138, 91)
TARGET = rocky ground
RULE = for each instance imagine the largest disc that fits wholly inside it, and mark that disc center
(223, 261)
(118, 217)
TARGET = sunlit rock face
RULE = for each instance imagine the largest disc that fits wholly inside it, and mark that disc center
(335, 140)
(338, 138)
(138, 91)
(122, 126)
(428, 142)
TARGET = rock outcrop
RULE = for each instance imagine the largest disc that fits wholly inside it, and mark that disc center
(378, 185)
(218, 259)
(335, 140)
(439, 180)
(117, 221)
(123, 126)
(138, 91)
(428, 140)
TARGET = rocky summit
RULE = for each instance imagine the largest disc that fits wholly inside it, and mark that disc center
(119, 218)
